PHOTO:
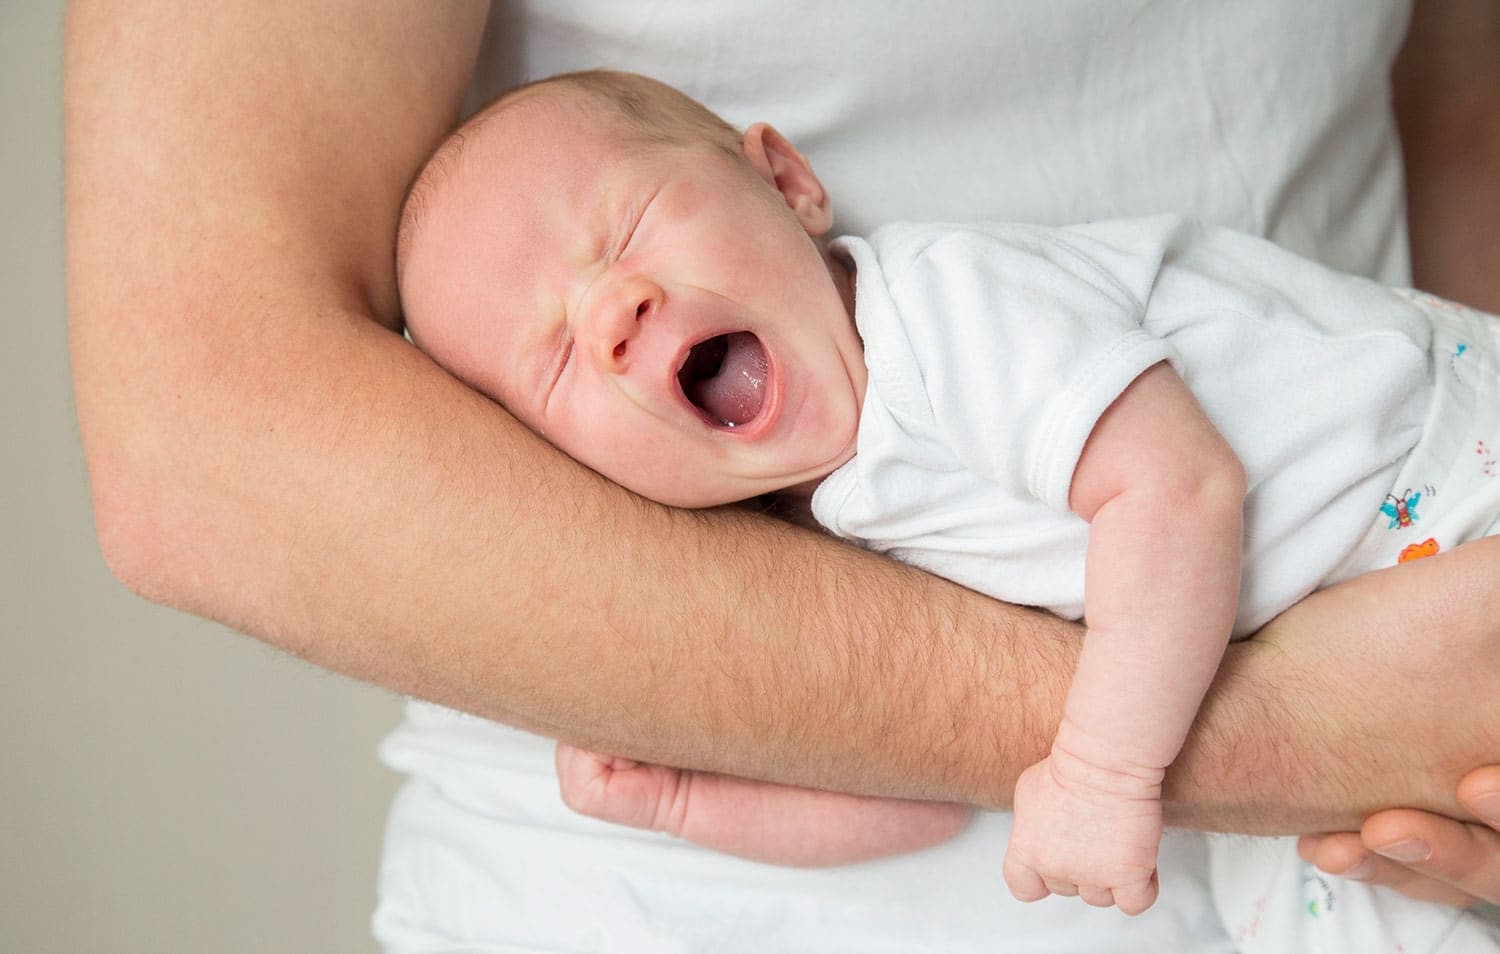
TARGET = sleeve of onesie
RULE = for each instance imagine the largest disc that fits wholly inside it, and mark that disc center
(1024, 337)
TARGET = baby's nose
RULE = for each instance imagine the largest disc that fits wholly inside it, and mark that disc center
(617, 322)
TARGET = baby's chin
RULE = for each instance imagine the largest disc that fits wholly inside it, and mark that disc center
(804, 483)
(719, 489)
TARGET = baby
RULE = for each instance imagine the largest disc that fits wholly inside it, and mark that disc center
(1166, 429)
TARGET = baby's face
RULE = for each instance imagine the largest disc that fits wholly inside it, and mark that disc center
(660, 313)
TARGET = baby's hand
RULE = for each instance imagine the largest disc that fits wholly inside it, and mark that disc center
(1086, 831)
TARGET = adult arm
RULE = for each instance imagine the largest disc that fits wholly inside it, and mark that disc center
(265, 451)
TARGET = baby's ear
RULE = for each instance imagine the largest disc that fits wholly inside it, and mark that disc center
(779, 163)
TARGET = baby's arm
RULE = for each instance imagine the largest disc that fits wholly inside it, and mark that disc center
(762, 821)
(1164, 495)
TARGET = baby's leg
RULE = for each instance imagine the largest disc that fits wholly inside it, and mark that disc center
(762, 821)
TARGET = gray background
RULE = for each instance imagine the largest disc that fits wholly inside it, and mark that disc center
(165, 784)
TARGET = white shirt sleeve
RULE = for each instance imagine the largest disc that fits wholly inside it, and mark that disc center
(1023, 337)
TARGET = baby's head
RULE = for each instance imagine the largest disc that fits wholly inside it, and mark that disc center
(640, 284)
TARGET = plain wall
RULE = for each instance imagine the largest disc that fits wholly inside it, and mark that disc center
(167, 785)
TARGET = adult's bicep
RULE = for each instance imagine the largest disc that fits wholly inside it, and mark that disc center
(233, 177)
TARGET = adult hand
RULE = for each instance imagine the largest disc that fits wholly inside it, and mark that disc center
(1426, 856)
(1366, 695)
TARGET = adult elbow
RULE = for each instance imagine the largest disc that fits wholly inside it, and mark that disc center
(138, 477)
(131, 537)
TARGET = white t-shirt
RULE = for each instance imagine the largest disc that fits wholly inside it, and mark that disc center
(994, 349)
(1272, 117)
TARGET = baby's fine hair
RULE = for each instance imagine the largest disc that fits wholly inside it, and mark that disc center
(653, 114)
(656, 112)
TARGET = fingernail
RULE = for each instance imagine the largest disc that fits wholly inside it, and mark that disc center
(1363, 871)
(1408, 851)
(1487, 806)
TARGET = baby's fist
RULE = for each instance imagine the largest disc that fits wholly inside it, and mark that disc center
(1072, 839)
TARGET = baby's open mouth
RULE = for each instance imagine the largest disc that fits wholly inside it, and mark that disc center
(725, 377)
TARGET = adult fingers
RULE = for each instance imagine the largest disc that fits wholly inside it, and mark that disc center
(1343, 854)
(1464, 856)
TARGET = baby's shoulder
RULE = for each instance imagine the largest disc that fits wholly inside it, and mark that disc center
(903, 245)
(1117, 261)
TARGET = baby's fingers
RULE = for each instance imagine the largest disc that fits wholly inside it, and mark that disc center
(1063, 889)
(582, 775)
(1132, 899)
(1024, 882)
(1096, 896)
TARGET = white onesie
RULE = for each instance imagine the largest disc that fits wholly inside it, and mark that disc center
(994, 349)
(1366, 419)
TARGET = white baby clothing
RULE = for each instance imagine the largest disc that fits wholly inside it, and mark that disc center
(993, 349)
(1273, 903)
(1366, 419)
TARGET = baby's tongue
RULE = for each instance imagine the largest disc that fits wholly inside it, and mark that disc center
(734, 395)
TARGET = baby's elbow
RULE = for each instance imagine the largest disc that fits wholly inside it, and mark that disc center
(1221, 485)
(1210, 486)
